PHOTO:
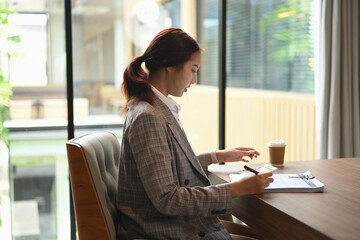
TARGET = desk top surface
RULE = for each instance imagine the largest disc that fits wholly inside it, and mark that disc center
(335, 212)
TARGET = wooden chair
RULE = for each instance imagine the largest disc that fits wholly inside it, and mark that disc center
(93, 164)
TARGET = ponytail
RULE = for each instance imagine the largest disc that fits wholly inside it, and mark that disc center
(135, 85)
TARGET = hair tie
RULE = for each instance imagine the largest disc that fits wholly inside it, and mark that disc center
(142, 58)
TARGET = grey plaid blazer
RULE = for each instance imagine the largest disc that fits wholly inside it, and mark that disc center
(163, 190)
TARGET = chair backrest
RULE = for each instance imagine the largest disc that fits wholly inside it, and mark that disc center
(93, 164)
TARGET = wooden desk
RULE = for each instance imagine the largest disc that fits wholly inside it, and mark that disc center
(333, 214)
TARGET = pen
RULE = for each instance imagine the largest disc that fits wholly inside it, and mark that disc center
(250, 169)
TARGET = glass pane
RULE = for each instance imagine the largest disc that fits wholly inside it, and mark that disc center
(270, 76)
(106, 36)
(271, 45)
(33, 62)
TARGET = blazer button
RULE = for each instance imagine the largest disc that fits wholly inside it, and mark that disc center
(186, 182)
(223, 211)
(201, 234)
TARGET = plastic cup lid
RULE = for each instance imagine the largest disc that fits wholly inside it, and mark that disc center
(276, 144)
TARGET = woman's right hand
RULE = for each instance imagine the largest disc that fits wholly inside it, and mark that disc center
(251, 185)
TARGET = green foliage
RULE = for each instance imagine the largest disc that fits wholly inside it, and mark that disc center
(5, 94)
(5, 11)
(285, 42)
(9, 39)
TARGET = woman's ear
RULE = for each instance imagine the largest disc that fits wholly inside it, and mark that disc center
(170, 70)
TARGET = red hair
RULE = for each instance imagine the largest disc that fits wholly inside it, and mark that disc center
(170, 47)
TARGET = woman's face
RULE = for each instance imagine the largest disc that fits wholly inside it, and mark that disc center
(181, 78)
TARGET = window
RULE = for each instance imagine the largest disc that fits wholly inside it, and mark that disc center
(270, 45)
(269, 72)
(35, 68)
(270, 76)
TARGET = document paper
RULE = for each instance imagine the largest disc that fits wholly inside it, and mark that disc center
(288, 183)
(294, 183)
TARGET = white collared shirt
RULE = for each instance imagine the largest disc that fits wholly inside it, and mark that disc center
(174, 107)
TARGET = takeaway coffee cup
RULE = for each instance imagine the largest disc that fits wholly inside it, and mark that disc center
(277, 152)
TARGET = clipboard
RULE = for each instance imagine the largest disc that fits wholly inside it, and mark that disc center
(302, 182)
(295, 183)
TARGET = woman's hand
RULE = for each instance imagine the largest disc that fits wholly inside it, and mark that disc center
(251, 185)
(236, 154)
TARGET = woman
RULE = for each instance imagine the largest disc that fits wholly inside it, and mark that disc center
(163, 190)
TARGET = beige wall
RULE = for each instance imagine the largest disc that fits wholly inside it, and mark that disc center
(199, 117)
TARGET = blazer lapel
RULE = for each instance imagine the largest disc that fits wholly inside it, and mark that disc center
(180, 136)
